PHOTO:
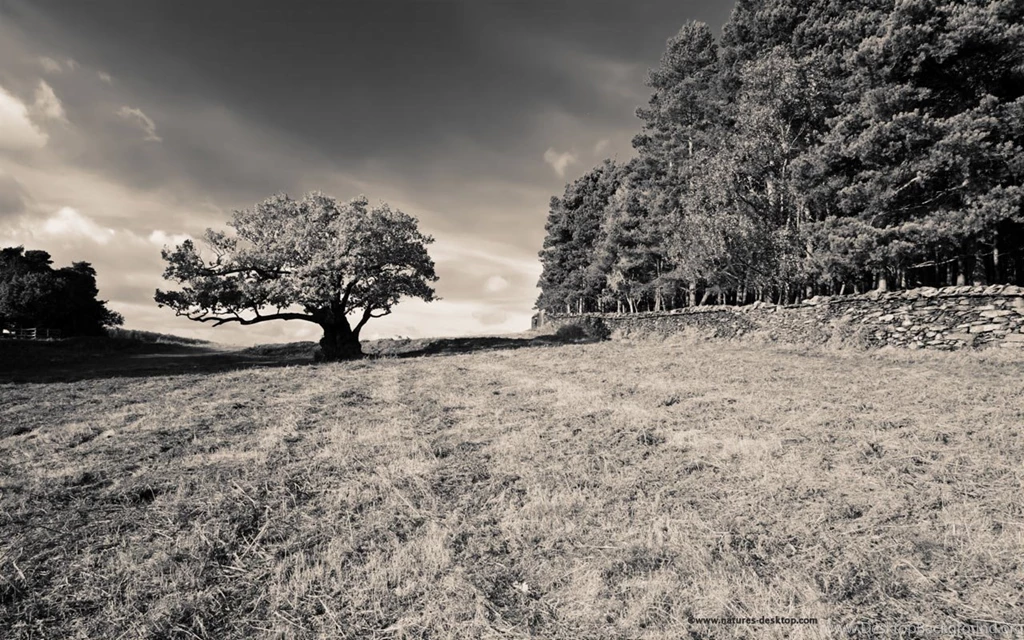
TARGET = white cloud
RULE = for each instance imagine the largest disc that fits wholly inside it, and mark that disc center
(496, 283)
(476, 252)
(160, 239)
(105, 77)
(47, 105)
(141, 120)
(601, 145)
(16, 130)
(50, 65)
(418, 319)
(69, 223)
(491, 317)
(559, 161)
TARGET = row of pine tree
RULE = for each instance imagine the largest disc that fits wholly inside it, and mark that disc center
(816, 147)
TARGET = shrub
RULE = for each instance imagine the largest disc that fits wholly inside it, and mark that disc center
(570, 332)
(583, 329)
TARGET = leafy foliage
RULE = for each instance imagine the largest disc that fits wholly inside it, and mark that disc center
(312, 259)
(34, 294)
(817, 147)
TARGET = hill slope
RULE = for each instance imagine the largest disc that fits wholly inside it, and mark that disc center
(603, 490)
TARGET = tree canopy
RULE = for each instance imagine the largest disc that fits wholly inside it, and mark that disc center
(313, 259)
(35, 295)
(816, 147)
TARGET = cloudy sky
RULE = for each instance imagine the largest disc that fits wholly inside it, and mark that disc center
(125, 126)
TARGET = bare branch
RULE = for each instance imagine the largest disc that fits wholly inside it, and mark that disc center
(367, 315)
(218, 320)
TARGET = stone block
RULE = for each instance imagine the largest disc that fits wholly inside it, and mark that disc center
(985, 328)
(995, 313)
(1014, 337)
(963, 337)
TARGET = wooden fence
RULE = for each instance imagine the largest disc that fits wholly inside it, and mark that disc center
(30, 334)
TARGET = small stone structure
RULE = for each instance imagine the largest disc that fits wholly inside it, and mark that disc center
(948, 318)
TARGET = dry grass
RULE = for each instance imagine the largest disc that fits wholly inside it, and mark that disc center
(607, 490)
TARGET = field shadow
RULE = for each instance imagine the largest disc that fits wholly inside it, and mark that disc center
(455, 346)
(67, 361)
(92, 359)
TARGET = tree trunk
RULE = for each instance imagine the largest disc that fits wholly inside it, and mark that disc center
(883, 282)
(997, 276)
(339, 343)
(978, 276)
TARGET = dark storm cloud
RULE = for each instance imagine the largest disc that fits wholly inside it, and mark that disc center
(468, 115)
(396, 81)
(12, 196)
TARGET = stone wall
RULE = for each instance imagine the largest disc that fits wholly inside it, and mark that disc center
(948, 318)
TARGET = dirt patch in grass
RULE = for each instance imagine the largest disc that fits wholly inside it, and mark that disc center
(610, 490)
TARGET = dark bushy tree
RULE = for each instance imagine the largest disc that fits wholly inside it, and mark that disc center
(33, 294)
(573, 227)
(313, 259)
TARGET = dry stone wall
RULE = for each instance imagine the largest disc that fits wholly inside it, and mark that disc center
(948, 318)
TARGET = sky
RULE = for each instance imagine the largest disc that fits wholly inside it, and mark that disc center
(129, 126)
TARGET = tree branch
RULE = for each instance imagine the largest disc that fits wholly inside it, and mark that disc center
(219, 320)
(262, 273)
(366, 317)
(348, 292)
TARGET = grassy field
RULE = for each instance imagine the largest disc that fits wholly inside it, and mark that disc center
(612, 490)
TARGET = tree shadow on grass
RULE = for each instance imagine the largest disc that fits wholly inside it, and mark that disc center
(42, 362)
(72, 361)
(454, 346)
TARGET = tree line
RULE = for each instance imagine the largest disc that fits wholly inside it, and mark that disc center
(815, 147)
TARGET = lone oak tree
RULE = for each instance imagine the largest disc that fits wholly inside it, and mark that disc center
(312, 259)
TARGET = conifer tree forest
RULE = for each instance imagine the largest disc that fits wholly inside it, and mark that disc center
(816, 147)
